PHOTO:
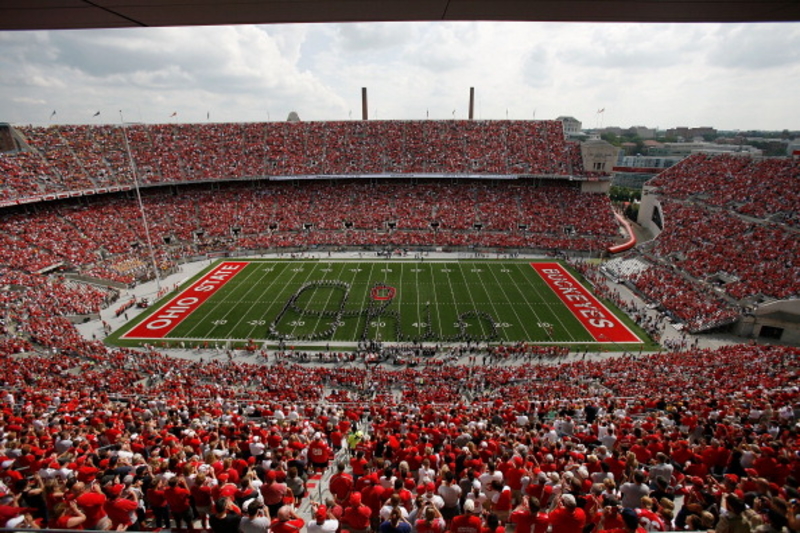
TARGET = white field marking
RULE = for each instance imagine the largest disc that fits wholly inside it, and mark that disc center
(486, 291)
(224, 302)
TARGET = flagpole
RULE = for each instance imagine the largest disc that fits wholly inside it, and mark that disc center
(141, 205)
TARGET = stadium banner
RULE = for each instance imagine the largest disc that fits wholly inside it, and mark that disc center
(601, 323)
(159, 324)
(306, 177)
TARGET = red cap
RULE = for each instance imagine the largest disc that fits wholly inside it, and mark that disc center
(322, 513)
(228, 490)
(270, 475)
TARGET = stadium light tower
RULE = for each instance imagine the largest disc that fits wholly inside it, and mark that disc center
(141, 205)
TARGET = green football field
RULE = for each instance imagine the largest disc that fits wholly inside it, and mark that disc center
(346, 301)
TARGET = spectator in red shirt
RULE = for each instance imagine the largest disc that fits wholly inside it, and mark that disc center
(341, 484)
(431, 521)
(287, 521)
(202, 494)
(567, 517)
(319, 453)
(273, 493)
(357, 516)
(92, 502)
(468, 522)
(121, 506)
(630, 523)
(157, 500)
(527, 517)
(178, 498)
(68, 516)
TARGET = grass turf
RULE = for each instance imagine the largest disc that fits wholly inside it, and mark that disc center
(344, 301)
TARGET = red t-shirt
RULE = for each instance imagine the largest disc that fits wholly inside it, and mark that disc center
(357, 517)
(526, 522)
(340, 486)
(178, 499)
(119, 511)
(466, 523)
(565, 520)
(91, 503)
(318, 452)
(503, 502)
(438, 525)
(290, 526)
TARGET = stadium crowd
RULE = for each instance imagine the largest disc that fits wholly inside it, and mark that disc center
(760, 258)
(142, 441)
(104, 238)
(88, 157)
(515, 437)
(741, 184)
(734, 216)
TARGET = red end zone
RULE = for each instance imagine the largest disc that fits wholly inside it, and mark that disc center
(160, 323)
(601, 323)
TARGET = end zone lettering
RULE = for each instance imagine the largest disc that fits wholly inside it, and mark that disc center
(160, 323)
(601, 323)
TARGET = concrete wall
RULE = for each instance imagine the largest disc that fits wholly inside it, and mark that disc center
(650, 203)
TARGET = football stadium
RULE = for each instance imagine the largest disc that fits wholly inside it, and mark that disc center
(392, 326)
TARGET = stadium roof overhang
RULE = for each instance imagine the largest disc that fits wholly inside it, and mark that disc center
(77, 14)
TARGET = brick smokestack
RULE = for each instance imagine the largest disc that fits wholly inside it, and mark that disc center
(471, 103)
(364, 112)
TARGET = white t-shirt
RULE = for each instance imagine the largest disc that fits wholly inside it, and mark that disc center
(328, 526)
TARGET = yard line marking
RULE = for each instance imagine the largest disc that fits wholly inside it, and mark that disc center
(264, 274)
(311, 271)
(436, 300)
(485, 290)
(520, 321)
(321, 318)
(227, 337)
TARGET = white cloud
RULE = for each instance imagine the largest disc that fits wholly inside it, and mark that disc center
(728, 76)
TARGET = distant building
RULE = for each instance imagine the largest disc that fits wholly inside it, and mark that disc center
(599, 156)
(643, 132)
(572, 126)
(684, 149)
(686, 134)
(293, 117)
(793, 148)
(633, 171)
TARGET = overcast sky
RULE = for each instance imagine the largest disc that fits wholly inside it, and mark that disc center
(728, 76)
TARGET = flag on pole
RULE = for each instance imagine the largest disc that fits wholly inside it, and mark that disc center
(96, 114)
(53, 113)
(174, 113)
(601, 110)
(208, 115)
